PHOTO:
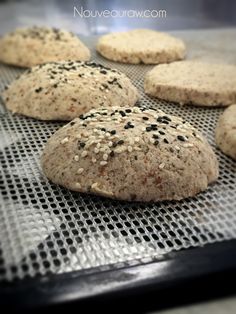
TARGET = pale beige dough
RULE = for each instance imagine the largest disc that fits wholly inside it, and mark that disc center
(192, 82)
(27, 47)
(130, 154)
(64, 90)
(141, 46)
(226, 132)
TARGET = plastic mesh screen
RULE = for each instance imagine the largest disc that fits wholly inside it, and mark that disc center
(47, 229)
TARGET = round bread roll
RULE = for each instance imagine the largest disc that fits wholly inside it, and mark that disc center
(130, 154)
(226, 132)
(141, 46)
(27, 47)
(66, 89)
(192, 82)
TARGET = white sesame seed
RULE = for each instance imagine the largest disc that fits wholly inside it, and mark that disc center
(152, 141)
(130, 149)
(103, 163)
(76, 158)
(98, 145)
(84, 153)
(161, 166)
(104, 97)
(102, 149)
(110, 144)
(65, 140)
(136, 139)
(107, 134)
(94, 185)
(137, 148)
(78, 136)
(105, 157)
(96, 150)
(80, 170)
(177, 147)
(94, 160)
(78, 185)
(188, 145)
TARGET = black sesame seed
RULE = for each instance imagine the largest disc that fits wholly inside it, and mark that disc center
(72, 123)
(112, 154)
(103, 129)
(122, 113)
(148, 129)
(159, 119)
(103, 72)
(113, 132)
(181, 138)
(145, 118)
(136, 157)
(81, 144)
(165, 122)
(128, 110)
(155, 136)
(81, 117)
(120, 142)
(166, 118)
(162, 133)
(38, 90)
(55, 85)
(166, 141)
(156, 142)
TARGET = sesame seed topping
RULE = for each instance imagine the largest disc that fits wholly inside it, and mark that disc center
(136, 139)
(120, 142)
(130, 149)
(84, 153)
(161, 166)
(78, 185)
(94, 160)
(94, 185)
(181, 138)
(105, 157)
(80, 170)
(65, 140)
(76, 158)
(103, 163)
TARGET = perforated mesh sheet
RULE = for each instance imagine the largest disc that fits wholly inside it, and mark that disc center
(48, 229)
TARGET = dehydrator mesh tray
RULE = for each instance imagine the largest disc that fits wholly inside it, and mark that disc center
(46, 229)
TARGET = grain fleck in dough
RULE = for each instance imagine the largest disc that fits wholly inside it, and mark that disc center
(64, 90)
(226, 132)
(192, 82)
(130, 154)
(141, 46)
(27, 47)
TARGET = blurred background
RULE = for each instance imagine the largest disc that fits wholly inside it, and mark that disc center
(180, 14)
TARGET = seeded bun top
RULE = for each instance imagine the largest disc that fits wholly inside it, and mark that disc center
(130, 154)
(63, 90)
(27, 47)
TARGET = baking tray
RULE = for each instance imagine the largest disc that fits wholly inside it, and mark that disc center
(58, 246)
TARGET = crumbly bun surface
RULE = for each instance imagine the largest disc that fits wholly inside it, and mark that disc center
(226, 132)
(141, 46)
(66, 89)
(27, 47)
(130, 154)
(192, 82)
